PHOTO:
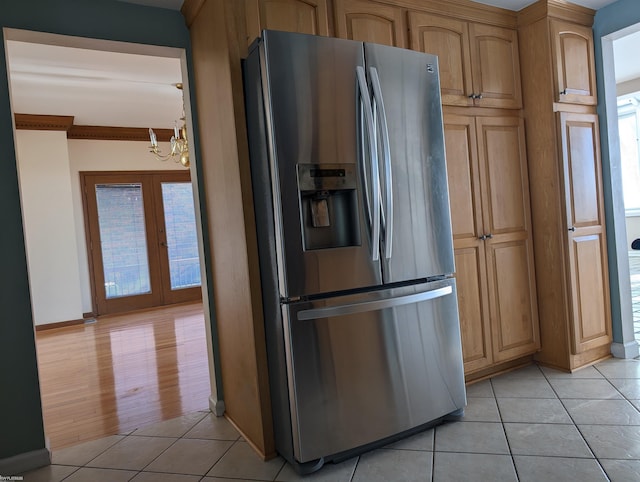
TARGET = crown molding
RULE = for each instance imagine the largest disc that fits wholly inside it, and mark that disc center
(97, 133)
(462, 9)
(559, 9)
(105, 133)
(44, 122)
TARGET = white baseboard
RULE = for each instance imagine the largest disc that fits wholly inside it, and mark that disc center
(24, 462)
(216, 406)
(625, 350)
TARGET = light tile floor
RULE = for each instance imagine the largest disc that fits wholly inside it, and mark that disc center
(634, 270)
(532, 424)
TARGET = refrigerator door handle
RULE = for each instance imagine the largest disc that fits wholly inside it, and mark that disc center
(364, 148)
(365, 102)
(365, 306)
(386, 152)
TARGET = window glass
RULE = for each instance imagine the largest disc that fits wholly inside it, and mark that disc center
(182, 237)
(123, 239)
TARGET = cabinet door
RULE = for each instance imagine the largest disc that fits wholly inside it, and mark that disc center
(495, 66)
(514, 317)
(510, 269)
(475, 327)
(574, 65)
(449, 40)
(370, 22)
(466, 217)
(589, 285)
(302, 16)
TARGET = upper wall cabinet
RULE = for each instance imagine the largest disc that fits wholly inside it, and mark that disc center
(302, 16)
(574, 66)
(449, 40)
(370, 22)
(479, 64)
(495, 66)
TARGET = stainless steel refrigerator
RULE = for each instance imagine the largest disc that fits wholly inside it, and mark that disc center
(355, 245)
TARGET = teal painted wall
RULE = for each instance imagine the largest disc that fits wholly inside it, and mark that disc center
(609, 19)
(21, 428)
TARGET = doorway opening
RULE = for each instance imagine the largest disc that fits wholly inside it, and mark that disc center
(102, 85)
(629, 133)
(619, 76)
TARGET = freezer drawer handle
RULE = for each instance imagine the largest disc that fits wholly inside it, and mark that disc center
(365, 306)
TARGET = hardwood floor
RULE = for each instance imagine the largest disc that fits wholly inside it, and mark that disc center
(122, 372)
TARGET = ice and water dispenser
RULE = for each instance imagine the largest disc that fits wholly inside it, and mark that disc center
(329, 204)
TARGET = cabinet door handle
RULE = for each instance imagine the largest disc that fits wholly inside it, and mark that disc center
(572, 229)
(483, 237)
(475, 96)
(479, 96)
(563, 92)
(472, 96)
(489, 236)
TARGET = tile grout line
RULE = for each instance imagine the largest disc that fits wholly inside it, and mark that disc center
(355, 468)
(92, 459)
(624, 397)
(504, 430)
(433, 457)
(597, 460)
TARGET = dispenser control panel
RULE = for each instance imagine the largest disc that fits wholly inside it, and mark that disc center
(326, 177)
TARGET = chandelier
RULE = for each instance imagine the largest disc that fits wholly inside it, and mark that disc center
(179, 151)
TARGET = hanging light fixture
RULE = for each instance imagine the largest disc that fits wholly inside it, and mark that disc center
(179, 146)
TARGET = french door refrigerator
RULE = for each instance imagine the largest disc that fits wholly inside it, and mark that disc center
(355, 245)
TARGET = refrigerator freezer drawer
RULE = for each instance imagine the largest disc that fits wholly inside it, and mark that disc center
(371, 366)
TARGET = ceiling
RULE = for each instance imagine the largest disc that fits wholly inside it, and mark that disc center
(115, 89)
(96, 87)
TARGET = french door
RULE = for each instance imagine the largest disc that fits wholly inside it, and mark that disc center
(141, 238)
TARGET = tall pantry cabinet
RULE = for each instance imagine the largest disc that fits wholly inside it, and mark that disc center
(558, 82)
(488, 186)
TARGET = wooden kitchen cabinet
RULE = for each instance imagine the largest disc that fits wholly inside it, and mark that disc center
(573, 60)
(467, 226)
(302, 16)
(566, 184)
(479, 63)
(370, 22)
(488, 182)
(589, 287)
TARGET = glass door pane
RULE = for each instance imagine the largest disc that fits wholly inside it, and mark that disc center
(181, 235)
(123, 239)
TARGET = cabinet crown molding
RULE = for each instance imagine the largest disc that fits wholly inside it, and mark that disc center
(461, 10)
(556, 9)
